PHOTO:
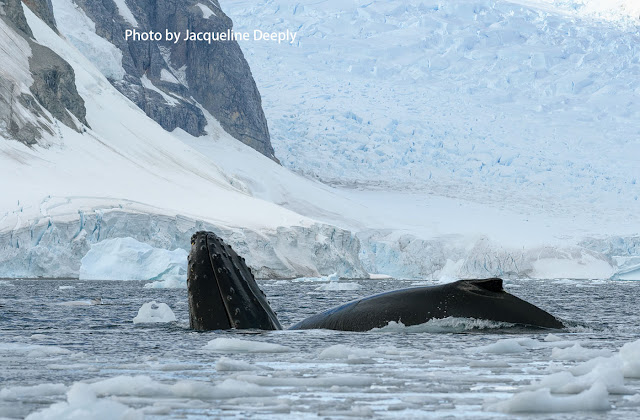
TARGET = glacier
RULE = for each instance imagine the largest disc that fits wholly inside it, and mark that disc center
(466, 139)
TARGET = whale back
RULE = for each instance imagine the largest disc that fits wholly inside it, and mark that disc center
(478, 299)
(223, 293)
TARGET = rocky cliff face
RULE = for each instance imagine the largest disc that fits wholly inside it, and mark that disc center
(172, 81)
(33, 77)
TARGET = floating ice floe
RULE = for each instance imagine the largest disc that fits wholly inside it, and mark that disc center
(542, 401)
(234, 345)
(40, 390)
(85, 302)
(509, 345)
(351, 355)
(585, 387)
(144, 386)
(577, 352)
(224, 364)
(82, 402)
(152, 312)
(33, 350)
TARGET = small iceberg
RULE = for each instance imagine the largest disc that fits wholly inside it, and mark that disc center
(153, 312)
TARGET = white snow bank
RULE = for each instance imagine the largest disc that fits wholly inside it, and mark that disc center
(82, 403)
(5, 283)
(541, 401)
(129, 259)
(234, 345)
(152, 312)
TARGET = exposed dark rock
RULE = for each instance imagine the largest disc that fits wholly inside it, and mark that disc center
(14, 14)
(44, 10)
(13, 123)
(216, 76)
(54, 85)
(21, 115)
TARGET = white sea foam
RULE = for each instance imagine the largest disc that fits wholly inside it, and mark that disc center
(449, 324)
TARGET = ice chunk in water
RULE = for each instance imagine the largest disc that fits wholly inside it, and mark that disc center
(152, 312)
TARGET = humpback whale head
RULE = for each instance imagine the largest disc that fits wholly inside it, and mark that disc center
(223, 293)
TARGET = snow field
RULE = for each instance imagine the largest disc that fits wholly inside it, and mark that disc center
(477, 100)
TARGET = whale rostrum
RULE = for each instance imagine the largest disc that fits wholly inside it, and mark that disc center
(223, 294)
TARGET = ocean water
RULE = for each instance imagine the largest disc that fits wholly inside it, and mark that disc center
(63, 350)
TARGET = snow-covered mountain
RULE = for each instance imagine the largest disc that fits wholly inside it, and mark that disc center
(118, 173)
(487, 138)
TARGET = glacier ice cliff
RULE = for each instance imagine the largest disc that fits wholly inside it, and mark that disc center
(49, 248)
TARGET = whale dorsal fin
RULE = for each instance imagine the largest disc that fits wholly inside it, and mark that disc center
(492, 285)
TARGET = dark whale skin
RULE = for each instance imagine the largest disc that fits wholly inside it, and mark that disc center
(479, 299)
(223, 293)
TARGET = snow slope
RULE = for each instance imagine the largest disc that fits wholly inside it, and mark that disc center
(91, 186)
(534, 105)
